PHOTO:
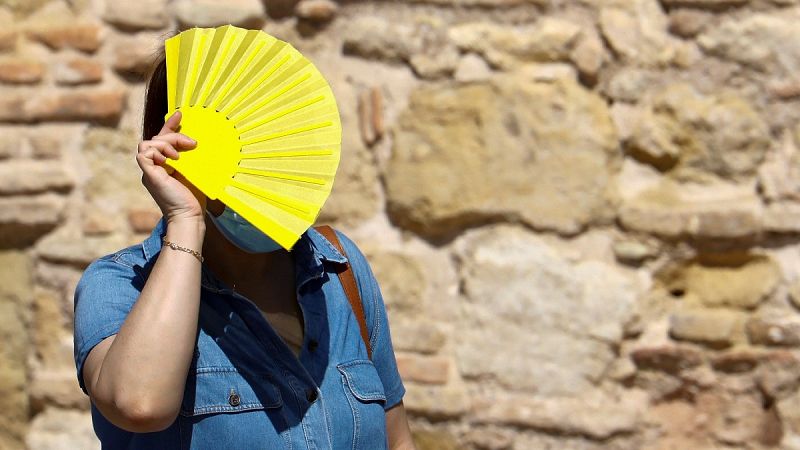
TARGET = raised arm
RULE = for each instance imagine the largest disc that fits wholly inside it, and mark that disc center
(136, 377)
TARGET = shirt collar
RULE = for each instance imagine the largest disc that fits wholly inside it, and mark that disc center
(310, 251)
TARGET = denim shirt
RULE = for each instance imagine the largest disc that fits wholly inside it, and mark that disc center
(246, 389)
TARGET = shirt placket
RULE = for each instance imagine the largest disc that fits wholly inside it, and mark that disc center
(313, 425)
(313, 429)
(305, 390)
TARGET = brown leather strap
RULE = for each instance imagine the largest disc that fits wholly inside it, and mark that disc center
(349, 284)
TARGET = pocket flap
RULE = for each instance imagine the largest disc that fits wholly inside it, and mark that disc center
(225, 389)
(363, 380)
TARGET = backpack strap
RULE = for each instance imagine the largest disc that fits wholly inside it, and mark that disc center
(349, 284)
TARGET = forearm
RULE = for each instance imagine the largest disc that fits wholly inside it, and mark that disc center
(146, 366)
(397, 428)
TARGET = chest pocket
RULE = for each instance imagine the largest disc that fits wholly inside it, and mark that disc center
(362, 380)
(233, 409)
(364, 392)
(225, 389)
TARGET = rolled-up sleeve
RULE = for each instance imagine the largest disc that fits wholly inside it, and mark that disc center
(383, 356)
(104, 296)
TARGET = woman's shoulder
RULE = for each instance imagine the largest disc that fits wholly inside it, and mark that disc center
(350, 247)
(124, 260)
(356, 257)
(352, 252)
(134, 255)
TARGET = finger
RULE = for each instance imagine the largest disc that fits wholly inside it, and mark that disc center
(145, 161)
(158, 157)
(153, 155)
(164, 147)
(178, 140)
(158, 152)
(148, 160)
(171, 123)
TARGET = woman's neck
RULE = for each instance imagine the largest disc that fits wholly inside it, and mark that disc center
(232, 264)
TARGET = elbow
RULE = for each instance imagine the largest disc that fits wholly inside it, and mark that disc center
(138, 416)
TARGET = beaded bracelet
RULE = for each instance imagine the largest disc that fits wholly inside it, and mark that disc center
(175, 246)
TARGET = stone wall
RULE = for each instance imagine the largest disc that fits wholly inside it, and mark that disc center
(584, 214)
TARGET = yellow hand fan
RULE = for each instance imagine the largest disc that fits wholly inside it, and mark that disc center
(266, 123)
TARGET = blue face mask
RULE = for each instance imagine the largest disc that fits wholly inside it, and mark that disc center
(242, 233)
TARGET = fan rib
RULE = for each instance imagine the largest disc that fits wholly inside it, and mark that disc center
(255, 85)
(287, 133)
(295, 204)
(184, 55)
(197, 52)
(242, 41)
(239, 71)
(278, 82)
(233, 64)
(213, 52)
(283, 176)
(269, 52)
(210, 73)
(280, 114)
(272, 97)
(285, 154)
(172, 49)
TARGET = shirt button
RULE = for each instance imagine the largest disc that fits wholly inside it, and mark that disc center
(233, 399)
(311, 395)
(312, 345)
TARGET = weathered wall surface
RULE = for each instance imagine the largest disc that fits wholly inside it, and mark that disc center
(584, 215)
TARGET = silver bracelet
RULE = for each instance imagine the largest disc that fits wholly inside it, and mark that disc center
(175, 246)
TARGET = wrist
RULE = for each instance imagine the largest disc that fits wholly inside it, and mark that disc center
(187, 223)
(175, 246)
(186, 232)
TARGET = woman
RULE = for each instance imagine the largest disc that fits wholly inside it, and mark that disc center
(229, 340)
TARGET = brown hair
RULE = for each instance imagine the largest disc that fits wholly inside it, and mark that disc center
(155, 100)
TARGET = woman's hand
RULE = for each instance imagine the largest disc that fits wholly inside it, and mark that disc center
(176, 196)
